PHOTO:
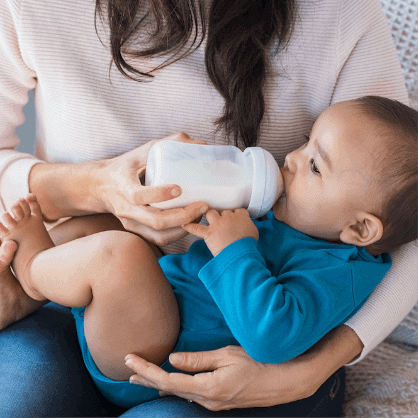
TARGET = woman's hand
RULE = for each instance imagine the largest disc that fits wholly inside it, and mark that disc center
(228, 378)
(232, 379)
(123, 195)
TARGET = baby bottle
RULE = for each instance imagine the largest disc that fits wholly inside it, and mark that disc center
(223, 176)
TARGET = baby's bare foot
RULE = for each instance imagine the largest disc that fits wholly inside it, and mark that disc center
(8, 283)
(26, 228)
(15, 304)
(7, 251)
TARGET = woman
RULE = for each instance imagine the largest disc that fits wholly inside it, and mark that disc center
(262, 74)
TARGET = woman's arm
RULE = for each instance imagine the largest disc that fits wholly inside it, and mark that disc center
(228, 378)
(113, 186)
(16, 79)
(390, 302)
(65, 190)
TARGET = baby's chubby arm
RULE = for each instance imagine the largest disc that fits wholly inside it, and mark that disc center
(224, 229)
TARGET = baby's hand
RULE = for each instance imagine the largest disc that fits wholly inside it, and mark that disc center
(224, 228)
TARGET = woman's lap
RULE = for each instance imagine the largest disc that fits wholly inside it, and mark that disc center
(42, 373)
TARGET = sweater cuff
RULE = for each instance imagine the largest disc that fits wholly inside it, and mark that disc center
(14, 182)
(214, 269)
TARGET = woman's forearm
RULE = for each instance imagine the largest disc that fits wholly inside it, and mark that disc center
(339, 347)
(66, 189)
(390, 301)
(114, 186)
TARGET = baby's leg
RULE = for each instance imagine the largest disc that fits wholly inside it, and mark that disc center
(131, 307)
(82, 226)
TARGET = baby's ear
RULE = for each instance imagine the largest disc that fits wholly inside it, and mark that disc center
(366, 231)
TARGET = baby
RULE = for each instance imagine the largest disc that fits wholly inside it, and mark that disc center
(274, 286)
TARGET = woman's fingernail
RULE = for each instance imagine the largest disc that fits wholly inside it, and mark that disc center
(129, 362)
(203, 210)
(175, 192)
(176, 358)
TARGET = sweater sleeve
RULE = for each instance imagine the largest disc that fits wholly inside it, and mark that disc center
(390, 302)
(16, 79)
(278, 318)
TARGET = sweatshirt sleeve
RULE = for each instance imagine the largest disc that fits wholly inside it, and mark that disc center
(278, 318)
(16, 79)
(368, 65)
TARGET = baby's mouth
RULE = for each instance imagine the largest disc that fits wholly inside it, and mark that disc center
(282, 196)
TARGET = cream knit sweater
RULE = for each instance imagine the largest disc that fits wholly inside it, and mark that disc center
(340, 50)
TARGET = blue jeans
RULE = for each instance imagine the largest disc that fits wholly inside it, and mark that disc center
(42, 374)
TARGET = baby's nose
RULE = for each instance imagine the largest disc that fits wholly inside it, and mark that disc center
(289, 162)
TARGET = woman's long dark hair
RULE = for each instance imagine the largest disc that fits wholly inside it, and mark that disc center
(239, 35)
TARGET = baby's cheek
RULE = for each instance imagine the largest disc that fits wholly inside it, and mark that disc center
(302, 216)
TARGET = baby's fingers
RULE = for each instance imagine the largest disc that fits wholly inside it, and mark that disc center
(199, 230)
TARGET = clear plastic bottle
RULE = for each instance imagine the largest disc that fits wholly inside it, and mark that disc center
(223, 176)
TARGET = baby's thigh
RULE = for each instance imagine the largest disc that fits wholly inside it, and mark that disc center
(133, 308)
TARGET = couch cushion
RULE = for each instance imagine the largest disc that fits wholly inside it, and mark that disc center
(384, 384)
(403, 22)
(407, 331)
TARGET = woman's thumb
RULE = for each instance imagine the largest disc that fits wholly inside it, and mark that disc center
(195, 362)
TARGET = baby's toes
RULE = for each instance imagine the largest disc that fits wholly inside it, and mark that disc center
(18, 211)
(34, 205)
(24, 205)
(3, 230)
(8, 221)
(7, 251)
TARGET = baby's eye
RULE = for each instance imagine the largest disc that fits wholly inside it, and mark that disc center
(314, 167)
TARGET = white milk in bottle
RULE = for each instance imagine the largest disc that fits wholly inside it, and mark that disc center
(223, 176)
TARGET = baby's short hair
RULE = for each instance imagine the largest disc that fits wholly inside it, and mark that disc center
(396, 158)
